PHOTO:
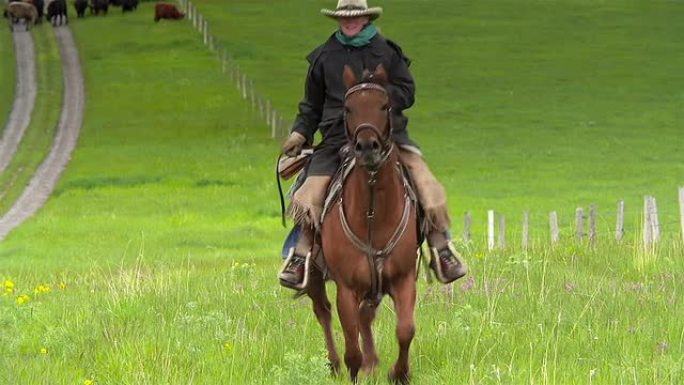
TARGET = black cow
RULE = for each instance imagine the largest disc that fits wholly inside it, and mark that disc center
(80, 6)
(57, 12)
(97, 6)
(129, 5)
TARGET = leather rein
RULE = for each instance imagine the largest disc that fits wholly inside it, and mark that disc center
(375, 257)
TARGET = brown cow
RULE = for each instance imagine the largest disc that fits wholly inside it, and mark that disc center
(167, 11)
(26, 11)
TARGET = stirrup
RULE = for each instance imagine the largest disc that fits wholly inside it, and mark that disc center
(305, 280)
(436, 264)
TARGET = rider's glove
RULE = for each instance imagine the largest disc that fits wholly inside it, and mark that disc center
(294, 144)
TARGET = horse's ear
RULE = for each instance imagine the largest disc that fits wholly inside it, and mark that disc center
(380, 74)
(349, 77)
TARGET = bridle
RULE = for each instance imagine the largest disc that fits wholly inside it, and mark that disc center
(385, 140)
(375, 257)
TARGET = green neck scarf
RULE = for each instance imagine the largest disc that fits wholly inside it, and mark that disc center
(360, 39)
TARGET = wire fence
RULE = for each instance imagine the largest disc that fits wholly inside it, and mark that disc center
(585, 222)
(259, 103)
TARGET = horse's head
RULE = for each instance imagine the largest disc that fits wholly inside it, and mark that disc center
(367, 116)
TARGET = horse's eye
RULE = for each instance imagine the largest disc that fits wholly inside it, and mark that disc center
(347, 110)
(385, 107)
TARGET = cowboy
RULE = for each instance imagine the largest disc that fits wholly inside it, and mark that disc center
(357, 43)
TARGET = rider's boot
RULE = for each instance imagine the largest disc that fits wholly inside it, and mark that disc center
(295, 270)
(446, 262)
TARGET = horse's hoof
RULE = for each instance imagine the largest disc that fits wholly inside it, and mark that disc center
(399, 378)
(334, 368)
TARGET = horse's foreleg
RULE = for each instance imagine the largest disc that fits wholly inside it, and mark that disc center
(403, 293)
(370, 355)
(348, 309)
(322, 307)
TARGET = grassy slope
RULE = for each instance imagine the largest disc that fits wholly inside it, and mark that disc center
(521, 105)
(35, 144)
(164, 248)
(7, 69)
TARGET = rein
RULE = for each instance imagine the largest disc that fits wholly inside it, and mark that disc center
(375, 257)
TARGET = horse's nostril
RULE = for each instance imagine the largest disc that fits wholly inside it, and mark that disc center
(376, 145)
(358, 147)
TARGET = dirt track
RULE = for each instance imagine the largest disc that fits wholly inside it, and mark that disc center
(24, 98)
(44, 180)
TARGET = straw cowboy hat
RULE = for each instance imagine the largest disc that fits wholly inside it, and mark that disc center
(353, 8)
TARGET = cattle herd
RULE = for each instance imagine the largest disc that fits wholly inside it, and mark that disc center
(32, 12)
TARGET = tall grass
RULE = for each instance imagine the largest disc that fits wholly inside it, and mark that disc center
(160, 245)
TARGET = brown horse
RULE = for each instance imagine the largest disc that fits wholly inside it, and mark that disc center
(369, 234)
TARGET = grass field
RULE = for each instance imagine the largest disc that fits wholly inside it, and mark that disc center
(521, 105)
(37, 139)
(155, 261)
(8, 70)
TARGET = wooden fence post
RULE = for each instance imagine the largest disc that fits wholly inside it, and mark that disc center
(681, 209)
(237, 77)
(592, 223)
(244, 86)
(260, 103)
(274, 118)
(647, 235)
(252, 95)
(655, 224)
(466, 227)
(553, 222)
(502, 232)
(620, 226)
(525, 231)
(490, 230)
(267, 115)
(579, 223)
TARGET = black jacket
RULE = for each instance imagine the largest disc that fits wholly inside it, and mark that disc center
(323, 102)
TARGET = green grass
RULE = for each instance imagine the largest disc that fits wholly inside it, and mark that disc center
(37, 140)
(521, 105)
(8, 71)
(165, 228)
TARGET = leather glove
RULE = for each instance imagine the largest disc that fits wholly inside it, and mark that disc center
(294, 144)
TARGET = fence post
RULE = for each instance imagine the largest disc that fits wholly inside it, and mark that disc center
(681, 209)
(553, 222)
(655, 224)
(252, 96)
(647, 223)
(267, 115)
(620, 226)
(260, 102)
(237, 77)
(592, 223)
(274, 118)
(579, 223)
(466, 227)
(525, 231)
(244, 86)
(502, 232)
(490, 230)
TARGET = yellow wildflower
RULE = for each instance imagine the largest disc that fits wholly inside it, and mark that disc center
(62, 285)
(42, 289)
(228, 347)
(43, 350)
(88, 381)
(22, 299)
(9, 285)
